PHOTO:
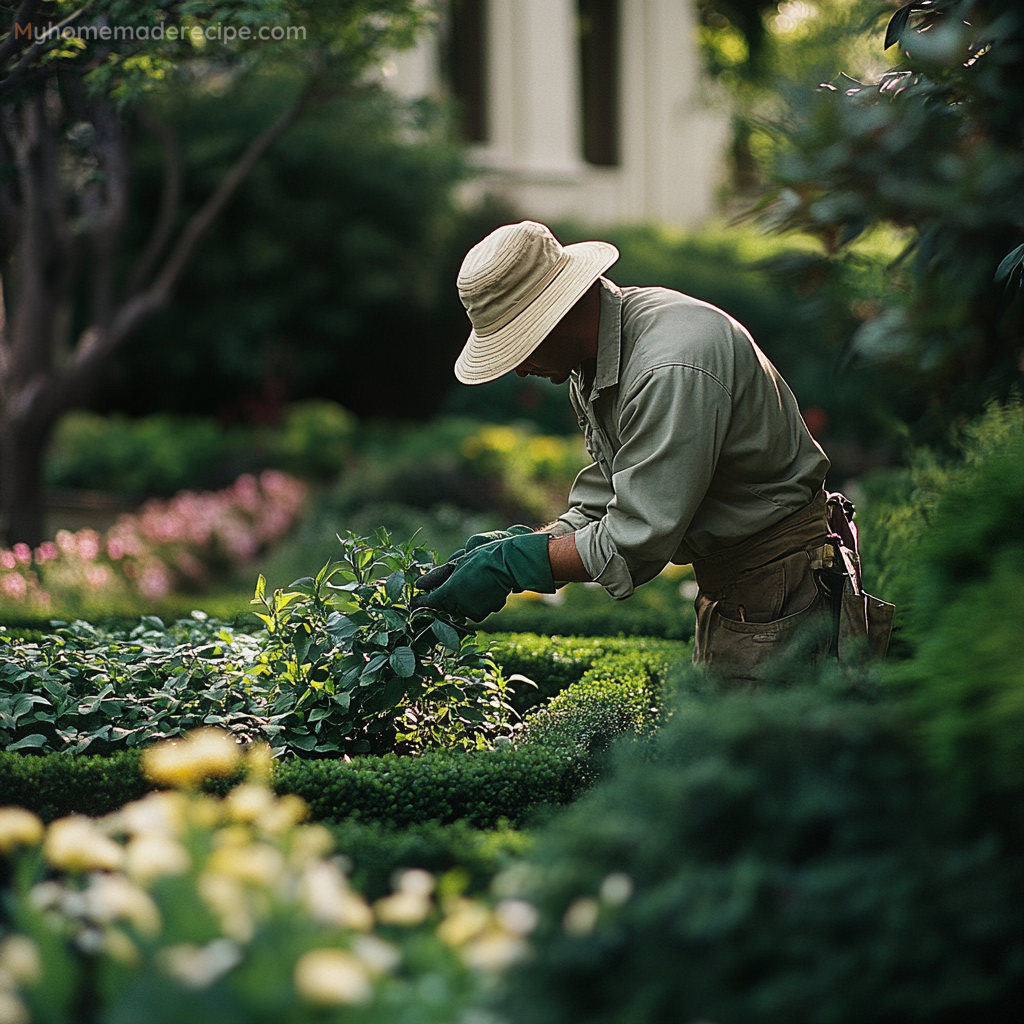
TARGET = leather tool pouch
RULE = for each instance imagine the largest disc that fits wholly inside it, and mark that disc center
(861, 623)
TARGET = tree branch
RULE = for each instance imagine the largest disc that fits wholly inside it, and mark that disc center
(170, 200)
(22, 17)
(20, 72)
(95, 344)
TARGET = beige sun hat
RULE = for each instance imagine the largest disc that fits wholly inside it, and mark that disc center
(516, 285)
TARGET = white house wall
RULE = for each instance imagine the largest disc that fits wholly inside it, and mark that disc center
(671, 145)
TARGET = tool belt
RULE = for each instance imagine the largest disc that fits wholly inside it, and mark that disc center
(824, 533)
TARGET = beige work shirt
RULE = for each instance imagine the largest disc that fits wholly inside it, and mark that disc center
(697, 441)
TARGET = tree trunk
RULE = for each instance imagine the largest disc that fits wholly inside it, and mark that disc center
(22, 512)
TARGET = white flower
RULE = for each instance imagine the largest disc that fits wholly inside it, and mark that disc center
(332, 977)
(185, 763)
(18, 827)
(19, 960)
(151, 855)
(200, 966)
(580, 918)
(112, 897)
(326, 894)
(76, 844)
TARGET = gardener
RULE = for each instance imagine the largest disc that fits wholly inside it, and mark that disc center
(700, 453)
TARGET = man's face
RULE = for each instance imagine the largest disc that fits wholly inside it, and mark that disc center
(554, 358)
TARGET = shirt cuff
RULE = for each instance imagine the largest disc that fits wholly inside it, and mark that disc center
(574, 519)
(608, 568)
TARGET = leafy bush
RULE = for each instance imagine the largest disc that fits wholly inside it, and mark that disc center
(378, 849)
(181, 907)
(553, 663)
(163, 454)
(964, 683)
(775, 857)
(481, 788)
(340, 666)
(177, 545)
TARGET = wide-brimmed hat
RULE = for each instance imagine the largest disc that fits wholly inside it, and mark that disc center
(516, 285)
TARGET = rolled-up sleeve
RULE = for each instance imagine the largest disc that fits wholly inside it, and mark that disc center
(588, 498)
(671, 428)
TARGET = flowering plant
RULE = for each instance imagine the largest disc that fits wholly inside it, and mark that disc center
(183, 907)
(174, 545)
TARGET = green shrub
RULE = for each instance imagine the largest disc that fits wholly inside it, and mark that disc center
(343, 665)
(163, 454)
(444, 786)
(965, 681)
(556, 662)
(185, 908)
(378, 849)
(783, 857)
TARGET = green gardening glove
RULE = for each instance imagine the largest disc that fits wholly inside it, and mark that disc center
(479, 582)
(479, 539)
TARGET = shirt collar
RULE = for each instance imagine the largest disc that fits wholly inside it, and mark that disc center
(609, 337)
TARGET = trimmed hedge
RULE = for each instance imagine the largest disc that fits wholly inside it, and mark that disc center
(446, 786)
(377, 851)
(556, 662)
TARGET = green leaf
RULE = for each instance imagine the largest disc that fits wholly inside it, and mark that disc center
(403, 661)
(374, 665)
(394, 584)
(340, 627)
(445, 634)
(304, 585)
(261, 588)
(37, 741)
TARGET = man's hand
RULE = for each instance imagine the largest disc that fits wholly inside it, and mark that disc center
(479, 539)
(479, 582)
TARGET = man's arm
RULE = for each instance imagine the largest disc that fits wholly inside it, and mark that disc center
(566, 564)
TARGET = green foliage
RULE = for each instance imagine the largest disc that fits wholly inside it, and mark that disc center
(481, 788)
(965, 683)
(162, 454)
(935, 148)
(344, 232)
(378, 849)
(554, 663)
(340, 666)
(775, 857)
(384, 673)
(185, 908)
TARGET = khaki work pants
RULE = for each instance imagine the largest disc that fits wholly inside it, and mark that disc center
(757, 598)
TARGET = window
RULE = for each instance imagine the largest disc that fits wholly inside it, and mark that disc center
(599, 66)
(466, 65)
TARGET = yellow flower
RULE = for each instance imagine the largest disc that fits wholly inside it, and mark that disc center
(18, 827)
(285, 813)
(494, 951)
(156, 814)
(12, 1009)
(183, 764)
(249, 802)
(19, 960)
(378, 955)
(308, 843)
(580, 918)
(329, 900)
(75, 844)
(465, 921)
(255, 864)
(226, 898)
(411, 903)
(332, 977)
(112, 897)
(259, 762)
(151, 855)
(199, 967)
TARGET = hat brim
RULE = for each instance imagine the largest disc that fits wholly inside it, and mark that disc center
(488, 358)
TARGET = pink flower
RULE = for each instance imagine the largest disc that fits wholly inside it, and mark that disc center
(155, 581)
(115, 548)
(97, 576)
(88, 544)
(66, 541)
(23, 553)
(47, 551)
(7, 560)
(14, 586)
